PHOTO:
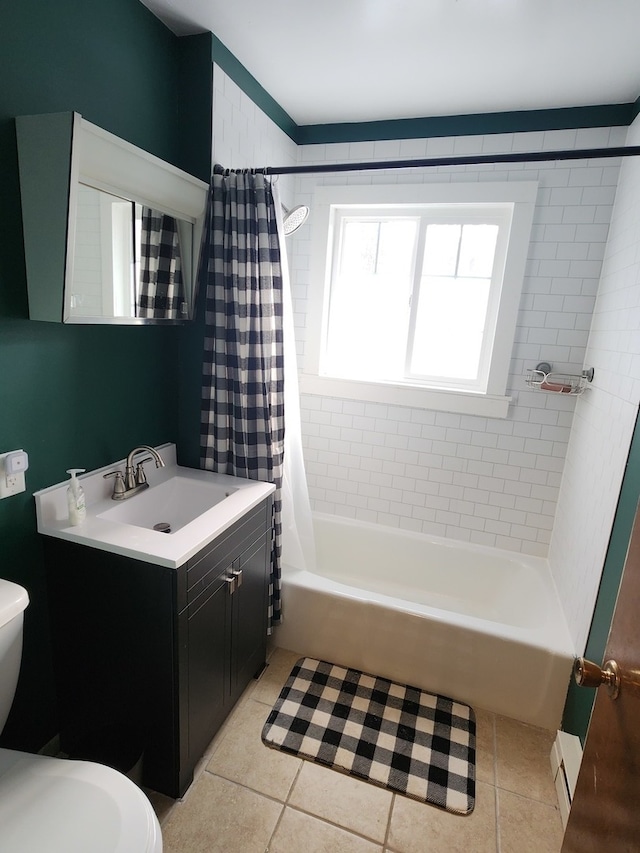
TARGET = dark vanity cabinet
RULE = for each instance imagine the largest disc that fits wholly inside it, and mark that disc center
(226, 607)
(158, 654)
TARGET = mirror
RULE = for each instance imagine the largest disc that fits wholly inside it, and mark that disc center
(112, 234)
(128, 261)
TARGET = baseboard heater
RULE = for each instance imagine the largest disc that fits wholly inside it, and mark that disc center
(566, 756)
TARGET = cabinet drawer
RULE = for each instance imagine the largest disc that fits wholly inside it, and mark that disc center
(202, 594)
(261, 541)
(219, 570)
(214, 560)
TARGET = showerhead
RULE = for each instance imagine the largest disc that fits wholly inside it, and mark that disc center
(294, 218)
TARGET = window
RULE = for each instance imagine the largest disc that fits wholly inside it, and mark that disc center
(415, 293)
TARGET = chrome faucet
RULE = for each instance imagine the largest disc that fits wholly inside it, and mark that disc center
(133, 481)
(139, 479)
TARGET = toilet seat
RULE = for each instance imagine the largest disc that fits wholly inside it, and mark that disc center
(62, 806)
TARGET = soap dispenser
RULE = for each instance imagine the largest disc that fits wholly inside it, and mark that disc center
(75, 498)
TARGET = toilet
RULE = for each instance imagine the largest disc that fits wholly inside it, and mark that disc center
(54, 804)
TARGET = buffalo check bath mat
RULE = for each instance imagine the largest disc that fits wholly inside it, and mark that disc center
(393, 735)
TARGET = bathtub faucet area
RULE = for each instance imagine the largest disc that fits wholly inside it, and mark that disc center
(133, 482)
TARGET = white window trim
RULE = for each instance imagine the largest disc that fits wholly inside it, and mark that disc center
(495, 403)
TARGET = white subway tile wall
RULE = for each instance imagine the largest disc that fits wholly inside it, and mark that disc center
(483, 480)
(245, 137)
(495, 482)
(605, 417)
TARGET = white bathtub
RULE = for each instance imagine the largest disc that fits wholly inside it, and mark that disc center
(478, 624)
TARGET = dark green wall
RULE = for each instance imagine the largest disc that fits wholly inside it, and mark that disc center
(196, 83)
(516, 121)
(76, 396)
(195, 104)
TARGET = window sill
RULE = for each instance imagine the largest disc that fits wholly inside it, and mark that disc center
(459, 402)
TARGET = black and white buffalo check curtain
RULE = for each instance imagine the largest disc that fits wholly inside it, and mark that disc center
(161, 294)
(242, 422)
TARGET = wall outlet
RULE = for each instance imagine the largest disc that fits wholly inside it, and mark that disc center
(11, 483)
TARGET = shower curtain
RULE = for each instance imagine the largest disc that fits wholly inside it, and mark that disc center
(242, 422)
(161, 290)
(298, 545)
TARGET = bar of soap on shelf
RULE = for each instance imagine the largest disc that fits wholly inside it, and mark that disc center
(559, 387)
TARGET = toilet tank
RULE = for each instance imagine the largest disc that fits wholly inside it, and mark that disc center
(13, 601)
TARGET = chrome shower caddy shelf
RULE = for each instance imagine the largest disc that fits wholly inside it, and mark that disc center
(559, 383)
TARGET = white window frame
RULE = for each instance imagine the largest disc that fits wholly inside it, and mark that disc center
(517, 196)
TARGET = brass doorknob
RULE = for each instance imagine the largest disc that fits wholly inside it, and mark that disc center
(589, 674)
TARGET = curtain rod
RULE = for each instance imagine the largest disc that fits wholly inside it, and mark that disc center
(470, 160)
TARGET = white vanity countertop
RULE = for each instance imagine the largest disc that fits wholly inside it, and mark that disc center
(129, 540)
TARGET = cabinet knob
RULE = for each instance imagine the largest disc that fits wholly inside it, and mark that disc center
(237, 573)
(232, 583)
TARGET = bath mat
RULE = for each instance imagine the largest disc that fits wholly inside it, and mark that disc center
(395, 736)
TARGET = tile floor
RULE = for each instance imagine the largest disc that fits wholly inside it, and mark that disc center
(247, 798)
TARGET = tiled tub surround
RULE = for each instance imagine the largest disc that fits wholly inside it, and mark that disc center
(478, 624)
(488, 481)
(494, 482)
(248, 798)
(604, 419)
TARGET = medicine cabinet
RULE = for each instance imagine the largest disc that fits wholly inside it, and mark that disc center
(112, 234)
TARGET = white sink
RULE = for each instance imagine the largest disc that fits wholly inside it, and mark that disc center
(176, 502)
(197, 505)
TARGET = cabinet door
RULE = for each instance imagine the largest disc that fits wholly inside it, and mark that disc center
(249, 615)
(208, 628)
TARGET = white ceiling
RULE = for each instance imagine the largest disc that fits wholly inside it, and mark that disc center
(361, 60)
